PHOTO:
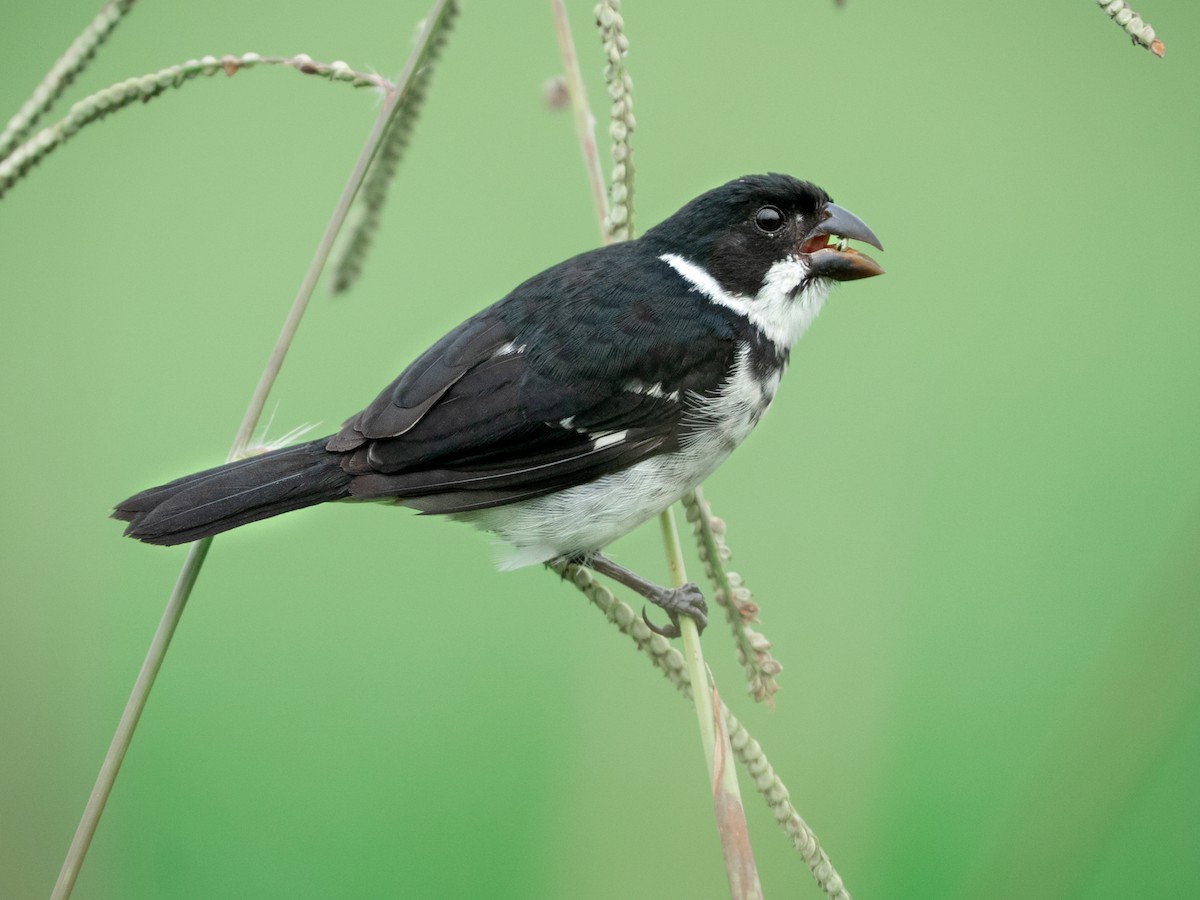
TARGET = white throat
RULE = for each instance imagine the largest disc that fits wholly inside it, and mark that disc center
(780, 316)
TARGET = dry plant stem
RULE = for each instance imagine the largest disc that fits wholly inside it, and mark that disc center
(669, 660)
(195, 558)
(750, 754)
(348, 264)
(585, 122)
(753, 648)
(63, 72)
(147, 87)
(730, 815)
(740, 868)
(692, 653)
(129, 720)
(392, 107)
(746, 750)
(619, 222)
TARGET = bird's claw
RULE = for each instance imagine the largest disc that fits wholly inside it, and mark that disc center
(681, 601)
(669, 631)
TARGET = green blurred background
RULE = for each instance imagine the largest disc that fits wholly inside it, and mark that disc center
(972, 519)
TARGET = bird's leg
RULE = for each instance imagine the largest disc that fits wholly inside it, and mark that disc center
(686, 600)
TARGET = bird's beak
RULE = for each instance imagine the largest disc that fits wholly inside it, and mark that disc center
(837, 261)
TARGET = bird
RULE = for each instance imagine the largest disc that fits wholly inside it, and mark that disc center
(585, 402)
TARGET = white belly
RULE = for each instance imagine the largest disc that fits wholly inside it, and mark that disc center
(590, 516)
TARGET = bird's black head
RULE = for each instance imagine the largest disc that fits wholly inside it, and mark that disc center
(739, 230)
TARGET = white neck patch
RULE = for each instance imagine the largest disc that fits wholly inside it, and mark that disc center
(781, 317)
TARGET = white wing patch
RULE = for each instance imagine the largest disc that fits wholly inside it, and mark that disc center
(781, 316)
(607, 439)
(650, 390)
(508, 349)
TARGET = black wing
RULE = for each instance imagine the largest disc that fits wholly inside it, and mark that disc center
(553, 386)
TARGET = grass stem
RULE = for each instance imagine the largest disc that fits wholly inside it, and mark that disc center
(192, 565)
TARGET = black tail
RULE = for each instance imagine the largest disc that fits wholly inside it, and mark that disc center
(207, 503)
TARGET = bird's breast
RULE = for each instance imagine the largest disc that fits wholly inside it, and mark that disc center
(726, 416)
(589, 516)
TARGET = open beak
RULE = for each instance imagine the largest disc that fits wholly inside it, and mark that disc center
(836, 260)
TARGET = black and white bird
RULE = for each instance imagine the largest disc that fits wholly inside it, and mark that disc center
(585, 402)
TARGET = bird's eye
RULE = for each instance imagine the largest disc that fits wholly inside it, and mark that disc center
(769, 219)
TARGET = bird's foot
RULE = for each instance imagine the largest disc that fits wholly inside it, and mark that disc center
(681, 601)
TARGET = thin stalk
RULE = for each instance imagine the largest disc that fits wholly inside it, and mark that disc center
(736, 849)
(129, 720)
(391, 109)
(611, 24)
(585, 122)
(668, 660)
(753, 648)
(730, 815)
(693, 654)
(195, 558)
(62, 73)
(349, 264)
(140, 89)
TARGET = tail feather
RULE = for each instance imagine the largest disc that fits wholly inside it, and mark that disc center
(207, 503)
